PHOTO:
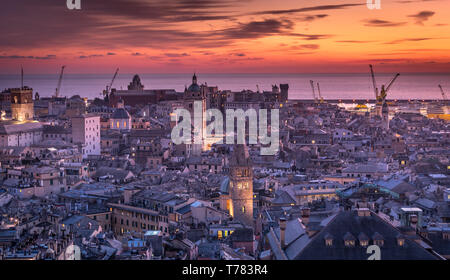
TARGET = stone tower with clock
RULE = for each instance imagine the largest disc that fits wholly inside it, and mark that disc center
(241, 185)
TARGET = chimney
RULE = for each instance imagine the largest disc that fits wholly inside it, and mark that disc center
(305, 215)
(283, 232)
(180, 235)
(413, 221)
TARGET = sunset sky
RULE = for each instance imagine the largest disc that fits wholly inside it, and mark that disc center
(224, 36)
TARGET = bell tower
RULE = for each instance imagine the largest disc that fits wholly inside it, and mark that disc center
(194, 101)
(385, 116)
(22, 107)
(241, 186)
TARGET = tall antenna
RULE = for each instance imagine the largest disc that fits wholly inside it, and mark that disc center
(22, 77)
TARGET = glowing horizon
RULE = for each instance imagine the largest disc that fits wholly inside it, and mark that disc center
(228, 36)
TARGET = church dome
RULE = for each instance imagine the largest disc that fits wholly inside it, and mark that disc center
(194, 87)
(120, 113)
(136, 83)
(136, 79)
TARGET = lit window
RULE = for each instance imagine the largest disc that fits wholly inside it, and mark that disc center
(378, 242)
(349, 243)
(328, 240)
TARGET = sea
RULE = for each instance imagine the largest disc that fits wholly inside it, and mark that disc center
(332, 86)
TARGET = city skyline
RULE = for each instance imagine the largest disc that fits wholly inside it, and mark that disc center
(254, 130)
(225, 37)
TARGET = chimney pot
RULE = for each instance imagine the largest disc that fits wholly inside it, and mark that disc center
(305, 212)
(283, 232)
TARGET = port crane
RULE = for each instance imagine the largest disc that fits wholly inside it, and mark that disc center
(107, 91)
(381, 97)
(384, 90)
(444, 96)
(373, 81)
(312, 87)
(58, 88)
(320, 95)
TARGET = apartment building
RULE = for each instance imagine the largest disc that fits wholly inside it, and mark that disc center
(86, 132)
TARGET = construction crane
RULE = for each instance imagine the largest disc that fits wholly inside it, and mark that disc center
(313, 92)
(444, 96)
(107, 91)
(381, 97)
(58, 88)
(373, 82)
(320, 95)
(384, 90)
